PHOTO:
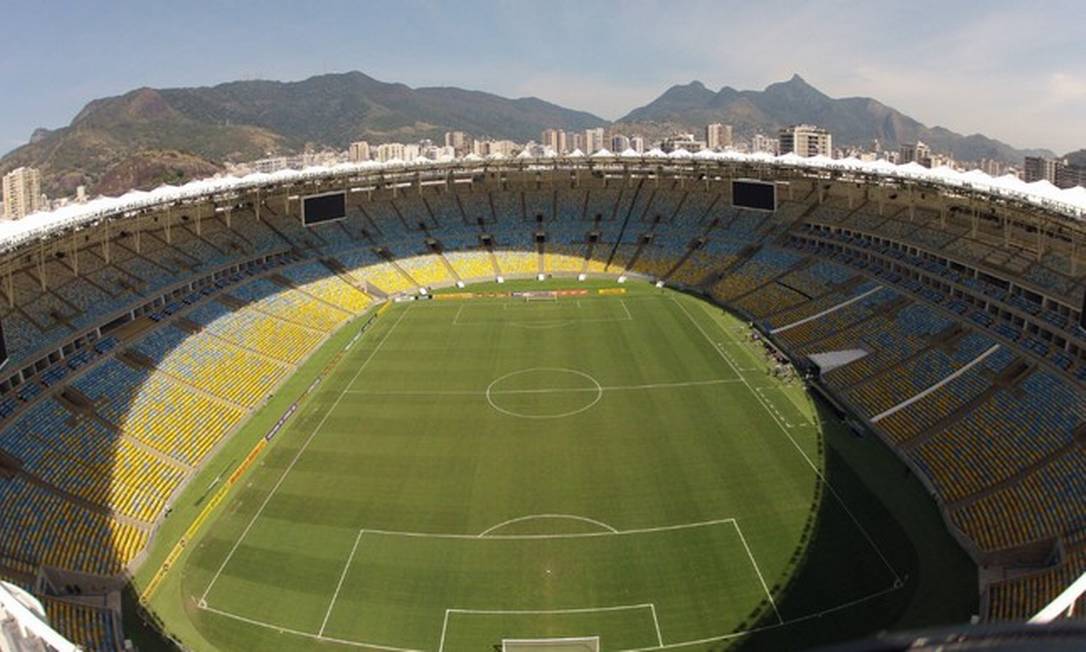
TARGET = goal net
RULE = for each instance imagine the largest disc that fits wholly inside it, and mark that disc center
(582, 644)
(540, 296)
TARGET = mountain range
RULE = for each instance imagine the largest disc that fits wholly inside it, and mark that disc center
(151, 136)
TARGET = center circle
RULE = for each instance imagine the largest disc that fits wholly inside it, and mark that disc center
(543, 393)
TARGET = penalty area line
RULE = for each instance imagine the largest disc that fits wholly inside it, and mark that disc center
(339, 585)
(651, 606)
(757, 571)
(569, 535)
(298, 455)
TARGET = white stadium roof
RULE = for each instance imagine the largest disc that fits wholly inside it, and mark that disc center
(1071, 203)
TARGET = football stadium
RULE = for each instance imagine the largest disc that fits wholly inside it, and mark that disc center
(607, 402)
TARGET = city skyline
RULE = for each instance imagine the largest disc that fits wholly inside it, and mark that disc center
(1002, 69)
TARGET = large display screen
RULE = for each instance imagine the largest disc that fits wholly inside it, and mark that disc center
(324, 208)
(759, 195)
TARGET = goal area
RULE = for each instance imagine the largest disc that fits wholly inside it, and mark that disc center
(576, 644)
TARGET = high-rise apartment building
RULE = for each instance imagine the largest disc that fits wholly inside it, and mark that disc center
(557, 140)
(682, 141)
(458, 140)
(593, 140)
(1037, 168)
(637, 144)
(1069, 176)
(718, 136)
(619, 143)
(763, 143)
(389, 151)
(578, 142)
(805, 140)
(916, 152)
(22, 193)
(359, 151)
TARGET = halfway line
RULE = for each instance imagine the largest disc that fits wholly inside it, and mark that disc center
(593, 390)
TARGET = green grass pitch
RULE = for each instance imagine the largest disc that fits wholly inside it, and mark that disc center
(489, 469)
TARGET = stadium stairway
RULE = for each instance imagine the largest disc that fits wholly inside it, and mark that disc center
(1079, 442)
(633, 259)
(237, 304)
(1014, 374)
(285, 282)
(494, 261)
(403, 272)
(349, 278)
(186, 324)
(588, 257)
(140, 362)
(799, 266)
(76, 499)
(890, 310)
(344, 275)
(945, 339)
(449, 267)
(78, 404)
(680, 262)
(744, 255)
(269, 221)
(844, 290)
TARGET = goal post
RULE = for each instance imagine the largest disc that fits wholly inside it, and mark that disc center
(574, 644)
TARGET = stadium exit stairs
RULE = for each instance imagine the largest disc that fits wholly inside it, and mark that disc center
(888, 310)
(1078, 441)
(946, 339)
(1015, 373)
(448, 267)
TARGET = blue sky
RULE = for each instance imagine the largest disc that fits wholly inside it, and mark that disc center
(1012, 70)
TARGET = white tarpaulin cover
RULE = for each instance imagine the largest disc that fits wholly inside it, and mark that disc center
(1071, 203)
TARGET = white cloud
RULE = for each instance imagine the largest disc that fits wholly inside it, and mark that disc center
(1064, 88)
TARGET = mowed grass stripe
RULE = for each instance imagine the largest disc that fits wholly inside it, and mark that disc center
(542, 575)
(452, 464)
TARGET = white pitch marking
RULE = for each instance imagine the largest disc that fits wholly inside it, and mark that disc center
(444, 626)
(656, 623)
(818, 472)
(295, 632)
(482, 392)
(570, 535)
(550, 612)
(546, 612)
(755, 630)
(909, 401)
(339, 586)
(758, 571)
(675, 644)
(543, 324)
(598, 389)
(260, 510)
(529, 517)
